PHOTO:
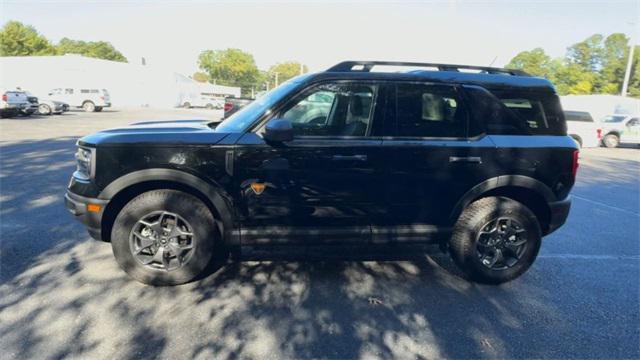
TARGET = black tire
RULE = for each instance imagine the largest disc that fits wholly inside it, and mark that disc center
(209, 106)
(611, 141)
(88, 106)
(191, 209)
(186, 105)
(44, 109)
(465, 238)
(98, 108)
(578, 140)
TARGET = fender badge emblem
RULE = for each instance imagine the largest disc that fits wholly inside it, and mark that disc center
(258, 188)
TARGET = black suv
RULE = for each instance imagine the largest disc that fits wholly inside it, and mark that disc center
(475, 158)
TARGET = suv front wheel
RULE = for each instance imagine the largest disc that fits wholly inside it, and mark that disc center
(163, 237)
(495, 240)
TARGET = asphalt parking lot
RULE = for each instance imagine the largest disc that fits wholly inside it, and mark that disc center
(62, 294)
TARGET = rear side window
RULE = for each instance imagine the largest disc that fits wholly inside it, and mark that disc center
(516, 112)
(429, 111)
(580, 116)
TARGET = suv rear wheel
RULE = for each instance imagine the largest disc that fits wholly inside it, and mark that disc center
(495, 240)
(88, 106)
(163, 237)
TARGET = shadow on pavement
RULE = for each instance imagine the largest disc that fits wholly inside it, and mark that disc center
(62, 295)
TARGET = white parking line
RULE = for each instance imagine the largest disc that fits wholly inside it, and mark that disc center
(589, 257)
(605, 205)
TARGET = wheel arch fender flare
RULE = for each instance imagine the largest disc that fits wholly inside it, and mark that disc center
(212, 191)
(498, 182)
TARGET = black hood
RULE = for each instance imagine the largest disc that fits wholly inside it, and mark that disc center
(183, 132)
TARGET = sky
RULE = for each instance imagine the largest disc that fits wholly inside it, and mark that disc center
(171, 34)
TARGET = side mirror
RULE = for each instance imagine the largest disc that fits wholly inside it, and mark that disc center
(278, 131)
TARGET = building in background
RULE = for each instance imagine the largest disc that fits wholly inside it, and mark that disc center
(600, 106)
(130, 85)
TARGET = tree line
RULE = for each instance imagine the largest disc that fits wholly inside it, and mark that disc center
(593, 66)
(17, 39)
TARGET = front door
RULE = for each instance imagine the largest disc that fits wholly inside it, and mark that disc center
(323, 185)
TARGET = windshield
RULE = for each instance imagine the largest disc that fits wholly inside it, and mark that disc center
(614, 118)
(241, 120)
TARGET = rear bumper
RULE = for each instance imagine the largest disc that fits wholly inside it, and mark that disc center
(77, 206)
(559, 213)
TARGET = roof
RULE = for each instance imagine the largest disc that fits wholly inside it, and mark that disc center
(488, 77)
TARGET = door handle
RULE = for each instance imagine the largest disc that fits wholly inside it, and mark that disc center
(465, 159)
(349, 157)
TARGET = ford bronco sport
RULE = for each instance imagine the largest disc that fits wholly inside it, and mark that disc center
(476, 158)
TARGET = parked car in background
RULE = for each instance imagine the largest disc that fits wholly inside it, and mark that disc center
(583, 129)
(232, 104)
(33, 105)
(620, 129)
(203, 102)
(13, 102)
(89, 99)
(48, 107)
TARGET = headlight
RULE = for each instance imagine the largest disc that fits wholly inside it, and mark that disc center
(85, 161)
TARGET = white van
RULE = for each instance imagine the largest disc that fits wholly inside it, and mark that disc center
(89, 99)
(583, 129)
(203, 101)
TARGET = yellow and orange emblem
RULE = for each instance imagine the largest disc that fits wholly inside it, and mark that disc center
(258, 188)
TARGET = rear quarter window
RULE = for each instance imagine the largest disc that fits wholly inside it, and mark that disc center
(501, 112)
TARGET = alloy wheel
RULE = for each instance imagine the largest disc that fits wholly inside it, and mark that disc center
(501, 243)
(162, 240)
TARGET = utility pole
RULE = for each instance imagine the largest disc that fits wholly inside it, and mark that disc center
(627, 73)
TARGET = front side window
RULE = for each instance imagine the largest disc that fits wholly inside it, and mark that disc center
(333, 110)
(429, 111)
(614, 118)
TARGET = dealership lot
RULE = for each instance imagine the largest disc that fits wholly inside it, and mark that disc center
(62, 294)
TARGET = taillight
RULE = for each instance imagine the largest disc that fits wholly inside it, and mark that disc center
(574, 168)
(4, 97)
(102, 98)
(228, 106)
(599, 133)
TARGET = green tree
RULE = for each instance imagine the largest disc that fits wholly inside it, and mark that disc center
(232, 67)
(287, 70)
(535, 62)
(94, 49)
(17, 39)
(199, 76)
(595, 65)
(587, 54)
(615, 53)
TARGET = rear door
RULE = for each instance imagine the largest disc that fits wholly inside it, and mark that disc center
(431, 161)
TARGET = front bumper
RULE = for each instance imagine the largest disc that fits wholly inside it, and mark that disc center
(78, 206)
(559, 213)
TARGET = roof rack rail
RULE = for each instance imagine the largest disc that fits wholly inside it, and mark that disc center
(366, 66)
